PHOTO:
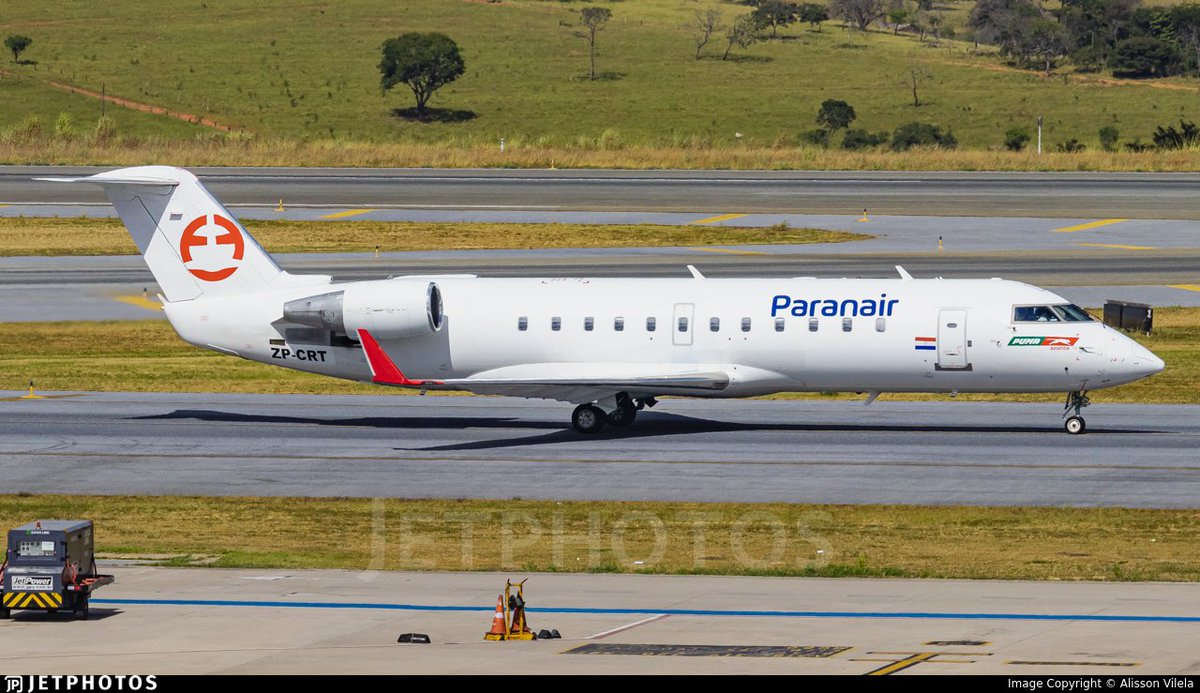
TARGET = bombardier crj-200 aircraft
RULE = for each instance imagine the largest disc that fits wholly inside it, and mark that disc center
(611, 346)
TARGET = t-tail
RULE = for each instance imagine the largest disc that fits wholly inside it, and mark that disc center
(194, 247)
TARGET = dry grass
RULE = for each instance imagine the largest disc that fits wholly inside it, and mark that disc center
(220, 150)
(80, 236)
(762, 539)
(147, 356)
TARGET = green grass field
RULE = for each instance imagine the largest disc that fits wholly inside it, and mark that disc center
(308, 71)
(83, 236)
(714, 538)
(147, 356)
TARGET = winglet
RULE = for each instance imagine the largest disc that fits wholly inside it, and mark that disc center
(383, 370)
(695, 272)
(903, 273)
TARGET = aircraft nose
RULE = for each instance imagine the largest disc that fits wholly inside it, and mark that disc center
(1143, 361)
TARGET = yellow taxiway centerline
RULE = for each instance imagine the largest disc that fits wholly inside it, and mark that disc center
(1089, 225)
(347, 213)
(713, 220)
(139, 302)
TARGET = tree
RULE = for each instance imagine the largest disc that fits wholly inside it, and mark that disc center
(1185, 21)
(1016, 139)
(922, 135)
(775, 13)
(896, 16)
(835, 115)
(704, 24)
(914, 77)
(742, 33)
(17, 44)
(425, 62)
(859, 12)
(813, 14)
(1047, 41)
(1109, 136)
(1005, 23)
(1143, 56)
(592, 19)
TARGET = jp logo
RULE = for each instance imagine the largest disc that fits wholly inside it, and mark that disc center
(212, 248)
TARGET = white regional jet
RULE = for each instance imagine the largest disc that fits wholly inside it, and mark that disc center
(611, 346)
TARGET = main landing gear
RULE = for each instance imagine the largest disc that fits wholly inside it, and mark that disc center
(591, 418)
(1074, 422)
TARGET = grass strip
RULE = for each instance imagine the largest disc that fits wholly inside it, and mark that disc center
(680, 538)
(83, 236)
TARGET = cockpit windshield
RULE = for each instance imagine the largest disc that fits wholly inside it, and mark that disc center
(1066, 312)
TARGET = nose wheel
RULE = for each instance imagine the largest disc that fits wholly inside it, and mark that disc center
(1074, 423)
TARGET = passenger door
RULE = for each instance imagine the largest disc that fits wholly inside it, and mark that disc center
(952, 340)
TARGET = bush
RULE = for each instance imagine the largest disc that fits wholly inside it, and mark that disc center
(855, 140)
(1109, 134)
(105, 131)
(922, 135)
(1138, 146)
(1070, 146)
(1016, 139)
(816, 137)
(1187, 136)
(64, 127)
(1143, 56)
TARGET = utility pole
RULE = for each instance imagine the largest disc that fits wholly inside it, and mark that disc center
(1039, 135)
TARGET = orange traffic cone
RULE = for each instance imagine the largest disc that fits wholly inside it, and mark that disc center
(499, 628)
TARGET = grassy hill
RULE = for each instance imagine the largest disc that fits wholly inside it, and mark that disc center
(285, 69)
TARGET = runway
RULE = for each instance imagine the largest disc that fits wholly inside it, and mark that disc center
(214, 621)
(806, 451)
(1134, 195)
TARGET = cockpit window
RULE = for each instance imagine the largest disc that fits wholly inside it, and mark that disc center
(1073, 313)
(1059, 313)
(1034, 314)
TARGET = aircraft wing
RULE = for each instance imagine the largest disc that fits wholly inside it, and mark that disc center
(567, 382)
(595, 381)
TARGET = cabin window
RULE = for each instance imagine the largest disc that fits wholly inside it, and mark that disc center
(522, 323)
(847, 324)
(880, 324)
(618, 324)
(779, 324)
(556, 323)
(683, 325)
(714, 324)
(812, 324)
(745, 324)
(1073, 313)
(589, 324)
(651, 324)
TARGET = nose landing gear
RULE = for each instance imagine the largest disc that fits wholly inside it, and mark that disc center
(1074, 423)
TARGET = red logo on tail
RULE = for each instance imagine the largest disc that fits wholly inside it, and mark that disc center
(212, 248)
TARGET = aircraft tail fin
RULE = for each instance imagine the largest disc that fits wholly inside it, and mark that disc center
(192, 244)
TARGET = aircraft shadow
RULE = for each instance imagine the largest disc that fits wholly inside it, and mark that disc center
(362, 421)
(648, 425)
(664, 424)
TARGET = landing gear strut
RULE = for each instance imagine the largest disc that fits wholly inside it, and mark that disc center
(625, 412)
(1074, 422)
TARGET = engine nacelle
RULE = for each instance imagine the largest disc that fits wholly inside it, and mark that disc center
(388, 310)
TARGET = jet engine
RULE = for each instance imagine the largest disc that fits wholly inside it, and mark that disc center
(402, 308)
